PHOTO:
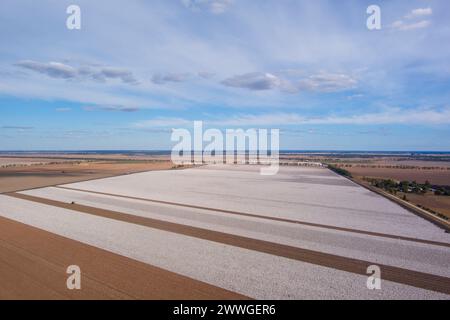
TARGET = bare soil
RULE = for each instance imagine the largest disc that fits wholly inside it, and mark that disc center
(36, 176)
(439, 204)
(33, 265)
(438, 176)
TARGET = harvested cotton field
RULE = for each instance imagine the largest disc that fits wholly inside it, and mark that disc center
(305, 233)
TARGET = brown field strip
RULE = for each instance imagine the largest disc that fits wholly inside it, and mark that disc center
(436, 176)
(26, 178)
(310, 224)
(33, 265)
(390, 273)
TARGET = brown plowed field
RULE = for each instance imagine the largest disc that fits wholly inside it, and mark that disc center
(33, 265)
(36, 176)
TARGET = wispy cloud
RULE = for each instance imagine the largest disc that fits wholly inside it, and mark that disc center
(406, 24)
(254, 81)
(65, 71)
(321, 82)
(115, 73)
(64, 109)
(355, 96)
(391, 116)
(52, 69)
(328, 82)
(214, 6)
(206, 75)
(419, 12)
(402, 26)
(161, 122)
(17, 127)
(110, 108)
(419, 116)
(161, 78)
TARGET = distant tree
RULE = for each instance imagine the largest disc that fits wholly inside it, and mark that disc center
(427, 186)
(404, 186)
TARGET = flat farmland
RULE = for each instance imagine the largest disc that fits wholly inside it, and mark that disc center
(38, 174)
(11, 161)
(434, 176)
(439, 204)
(224, 232)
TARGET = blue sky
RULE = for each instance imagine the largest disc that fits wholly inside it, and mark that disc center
(137, 69)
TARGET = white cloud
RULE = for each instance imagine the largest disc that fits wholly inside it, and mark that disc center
(206, 75)
(20, 128)
(52, 69)
(86, 93)
(162, 122)
(328, 82)
(321, 82)
(254, 81)
(214, 6)
(111, 108)
(169, 77)
(64, 71)
(392, 116)
(63, 109)
(419, 12)
(115, 73)
(419, 116)
(355, 96)
(402, 26)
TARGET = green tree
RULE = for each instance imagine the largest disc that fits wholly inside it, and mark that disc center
(404, 185)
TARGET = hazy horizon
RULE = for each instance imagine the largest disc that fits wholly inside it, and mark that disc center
(169, 151)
